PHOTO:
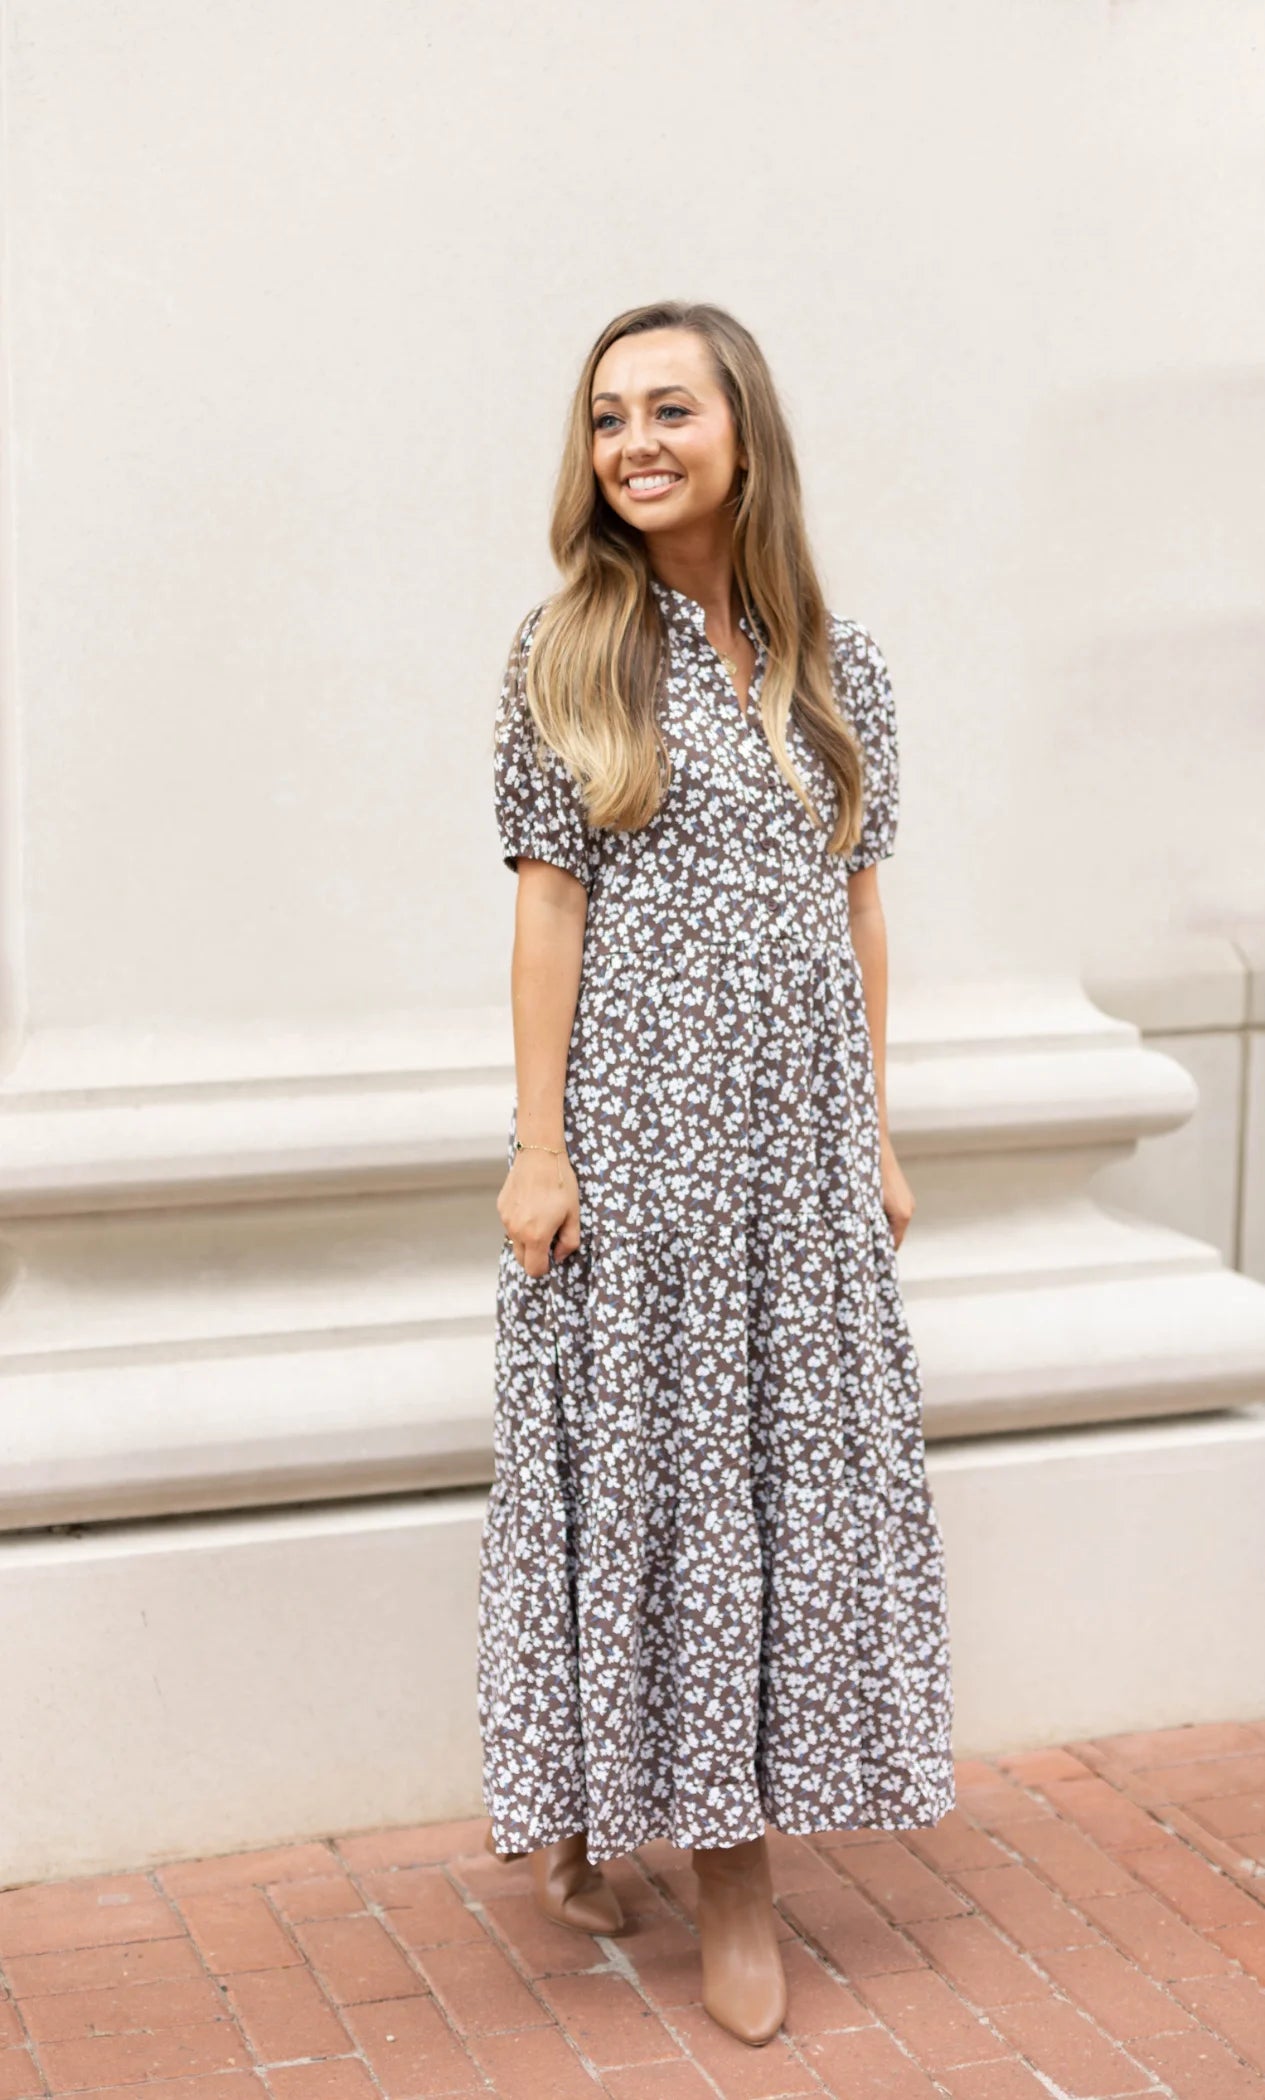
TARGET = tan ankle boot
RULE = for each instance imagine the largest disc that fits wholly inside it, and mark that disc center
(567, 1888)
(744, 1983)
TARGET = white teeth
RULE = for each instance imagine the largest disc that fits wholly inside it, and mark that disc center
(651, 481)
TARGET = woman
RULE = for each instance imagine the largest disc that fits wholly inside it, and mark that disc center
(712, 1582)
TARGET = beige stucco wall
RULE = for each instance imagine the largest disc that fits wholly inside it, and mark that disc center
(296, 298)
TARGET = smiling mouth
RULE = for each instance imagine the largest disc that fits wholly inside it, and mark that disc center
(651, 484)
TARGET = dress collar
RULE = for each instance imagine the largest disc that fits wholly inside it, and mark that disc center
(682, 610)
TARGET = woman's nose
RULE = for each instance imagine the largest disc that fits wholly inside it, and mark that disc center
(642, 442)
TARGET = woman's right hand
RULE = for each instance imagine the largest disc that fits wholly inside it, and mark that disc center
(536, 1213)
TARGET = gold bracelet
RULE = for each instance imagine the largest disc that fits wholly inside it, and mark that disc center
(559, 1152)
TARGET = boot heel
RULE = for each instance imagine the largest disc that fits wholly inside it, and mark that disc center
(504, 1856)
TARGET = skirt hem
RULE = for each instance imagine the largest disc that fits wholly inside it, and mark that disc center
(669, 1830)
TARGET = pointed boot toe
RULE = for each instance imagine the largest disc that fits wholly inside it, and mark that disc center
(571, 1891)
(593, 1910)
(744, 1982)
(752, 2009)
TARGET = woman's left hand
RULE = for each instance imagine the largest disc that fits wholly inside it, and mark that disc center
(898, 1197)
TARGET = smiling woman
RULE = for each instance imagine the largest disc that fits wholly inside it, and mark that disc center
(712, 425)
(712, 1583)
(677, 446)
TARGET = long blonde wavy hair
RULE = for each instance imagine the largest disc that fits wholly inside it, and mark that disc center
(597, 656)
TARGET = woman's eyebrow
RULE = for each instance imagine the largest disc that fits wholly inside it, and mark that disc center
(652, 394)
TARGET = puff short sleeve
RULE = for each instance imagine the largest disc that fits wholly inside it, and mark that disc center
(865, 693)
(539, 808)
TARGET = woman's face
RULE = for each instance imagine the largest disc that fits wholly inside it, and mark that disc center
(665, 451)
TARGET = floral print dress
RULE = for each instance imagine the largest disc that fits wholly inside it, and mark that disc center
(711, 1583)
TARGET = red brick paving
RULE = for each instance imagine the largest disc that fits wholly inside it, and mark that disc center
(1088, 1923)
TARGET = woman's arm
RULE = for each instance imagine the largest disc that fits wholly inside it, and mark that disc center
(869, 941)
(539, 1202)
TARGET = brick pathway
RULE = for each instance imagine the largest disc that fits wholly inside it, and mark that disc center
(1089, 1921)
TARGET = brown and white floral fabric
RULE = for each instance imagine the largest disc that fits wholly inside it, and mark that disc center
(712, 1587)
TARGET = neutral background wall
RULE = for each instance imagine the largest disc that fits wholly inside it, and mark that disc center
(296, 298)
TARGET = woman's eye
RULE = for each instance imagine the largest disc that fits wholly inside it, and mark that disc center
(672, 408)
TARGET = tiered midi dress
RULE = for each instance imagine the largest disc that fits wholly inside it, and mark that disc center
(711, 1584)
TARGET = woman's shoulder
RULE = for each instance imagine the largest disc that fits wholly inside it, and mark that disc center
(863, 686)
(526, 629)
(862, 681)
(853, 645)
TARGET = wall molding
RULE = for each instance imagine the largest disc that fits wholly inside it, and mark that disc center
(224, 1293)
